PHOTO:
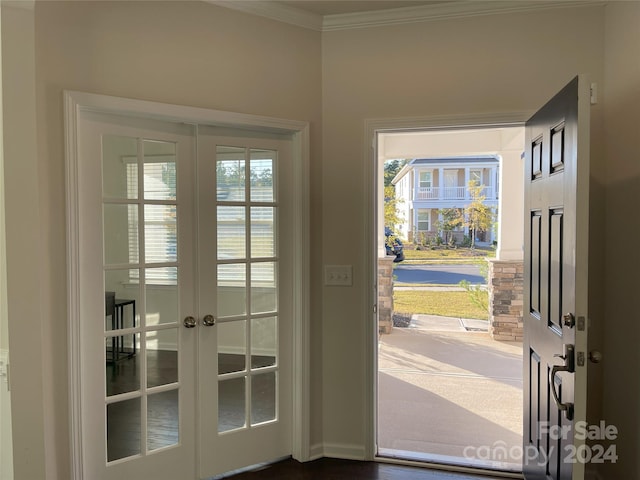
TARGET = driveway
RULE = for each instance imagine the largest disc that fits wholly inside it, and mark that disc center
(438, 274)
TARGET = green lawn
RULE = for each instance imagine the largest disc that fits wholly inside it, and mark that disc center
(444, 254)
(447, 304)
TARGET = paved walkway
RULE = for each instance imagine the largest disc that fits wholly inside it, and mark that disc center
(449, 393)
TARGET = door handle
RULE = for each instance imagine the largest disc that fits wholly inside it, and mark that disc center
(190, 322)
(209, 321)
(569, 367)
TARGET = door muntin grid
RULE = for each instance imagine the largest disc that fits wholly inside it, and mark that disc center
(247, 287)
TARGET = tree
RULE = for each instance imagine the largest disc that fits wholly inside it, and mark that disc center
(477, 215)
(391, 169)
(450, 219)
(391, 216)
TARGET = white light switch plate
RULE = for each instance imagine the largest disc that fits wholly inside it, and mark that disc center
(338, 275)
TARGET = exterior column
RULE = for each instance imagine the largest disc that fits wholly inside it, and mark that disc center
(506, 288)
(440, 183)
(511, 207)
(466, 182)
(385, 295)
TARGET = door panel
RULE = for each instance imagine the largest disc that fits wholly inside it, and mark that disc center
(556, 282)
(244, 280)
(136, 273)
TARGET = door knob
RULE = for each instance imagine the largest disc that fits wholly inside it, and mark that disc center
(595, 356)
(569, 367)
(190, 322)
(209, 320)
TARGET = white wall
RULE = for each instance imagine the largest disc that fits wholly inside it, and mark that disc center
(482, 65)
(621, 364)
(188, 53)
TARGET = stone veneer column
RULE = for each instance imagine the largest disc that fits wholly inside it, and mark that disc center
(506, 299)
(385, 294)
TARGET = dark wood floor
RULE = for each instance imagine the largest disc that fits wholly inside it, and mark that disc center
(335, 469)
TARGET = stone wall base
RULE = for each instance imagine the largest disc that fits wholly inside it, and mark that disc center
(385, 294)
(506, 284)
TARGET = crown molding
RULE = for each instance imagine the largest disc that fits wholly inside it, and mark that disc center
(458, 9)
(274, 11)
(396, 16)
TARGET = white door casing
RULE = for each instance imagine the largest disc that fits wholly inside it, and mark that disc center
(556, 283)
(80, 175)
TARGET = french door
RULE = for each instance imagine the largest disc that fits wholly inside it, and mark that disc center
(184, 264)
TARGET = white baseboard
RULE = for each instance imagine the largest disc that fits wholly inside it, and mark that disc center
(316, 452)
(343, 450)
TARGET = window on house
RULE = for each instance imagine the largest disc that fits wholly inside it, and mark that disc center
(424, 219)
(426, 179)
(476, 177)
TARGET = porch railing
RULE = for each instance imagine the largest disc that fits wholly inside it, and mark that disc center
(450, 193)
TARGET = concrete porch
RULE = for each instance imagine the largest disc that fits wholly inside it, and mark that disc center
(449, 393)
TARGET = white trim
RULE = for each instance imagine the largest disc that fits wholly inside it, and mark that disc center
(345, 450)
(441, 11)
(76, 102)
(393, 16)
(372, 127)
(316, 451)
(274, 11)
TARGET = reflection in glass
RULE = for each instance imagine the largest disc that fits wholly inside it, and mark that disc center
(162, 420)
(162, 302)
(123, 429)
(264, 293)
(263, 398)
(121, 299)
(232, 346)
(262, 177)
(232, 289)
(230, 174)
(162, 357)
(122, 365)
(120, 229)
(231, 232)
(160, 233)
(159, 170)
(263, 239)
(264, 344)
(231, 404)
(119, 167)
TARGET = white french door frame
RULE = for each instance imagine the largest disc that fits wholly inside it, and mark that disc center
(371, 188)
(298, 132)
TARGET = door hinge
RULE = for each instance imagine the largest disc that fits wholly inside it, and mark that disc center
(594, 93)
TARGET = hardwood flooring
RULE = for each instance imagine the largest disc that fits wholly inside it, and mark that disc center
(336, 469)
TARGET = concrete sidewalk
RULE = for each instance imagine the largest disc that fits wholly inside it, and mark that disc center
(449, 393)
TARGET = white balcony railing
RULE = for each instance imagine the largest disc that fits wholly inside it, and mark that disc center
(451, 193)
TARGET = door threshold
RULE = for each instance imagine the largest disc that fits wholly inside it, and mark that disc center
(449, 463)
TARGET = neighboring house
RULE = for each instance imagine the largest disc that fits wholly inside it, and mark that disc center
(424, 186)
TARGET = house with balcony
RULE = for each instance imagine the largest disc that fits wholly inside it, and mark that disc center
(426, 186)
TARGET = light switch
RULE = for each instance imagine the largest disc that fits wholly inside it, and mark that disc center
(338, 275)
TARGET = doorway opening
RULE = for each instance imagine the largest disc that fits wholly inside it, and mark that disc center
(450, 272)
